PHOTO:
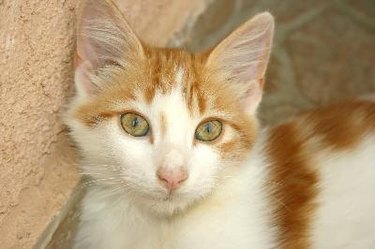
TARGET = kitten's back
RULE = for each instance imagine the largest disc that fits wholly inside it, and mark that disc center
(324, 164)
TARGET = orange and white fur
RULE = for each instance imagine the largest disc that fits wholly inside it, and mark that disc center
(306, 184)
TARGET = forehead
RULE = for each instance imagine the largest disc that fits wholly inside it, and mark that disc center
(172, 73)
(166, 82)
(169, 116)
(171, 95)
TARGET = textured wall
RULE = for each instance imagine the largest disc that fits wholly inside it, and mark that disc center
(37, 165)
(37, 168)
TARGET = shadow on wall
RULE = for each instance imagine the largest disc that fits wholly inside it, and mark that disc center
(323, 52)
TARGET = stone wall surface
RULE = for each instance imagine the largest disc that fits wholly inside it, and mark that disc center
(324, 51)
(38, 169)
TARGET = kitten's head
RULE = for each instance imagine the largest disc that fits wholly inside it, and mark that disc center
(164, 127)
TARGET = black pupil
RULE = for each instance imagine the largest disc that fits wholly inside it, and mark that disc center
(208, 128)
(135, 122)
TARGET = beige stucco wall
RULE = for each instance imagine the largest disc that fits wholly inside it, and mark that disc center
(37, 164)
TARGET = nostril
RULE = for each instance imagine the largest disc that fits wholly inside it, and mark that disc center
(182, 177)
(172, 179)
(163, 177)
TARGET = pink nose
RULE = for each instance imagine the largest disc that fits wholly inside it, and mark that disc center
(172, 178)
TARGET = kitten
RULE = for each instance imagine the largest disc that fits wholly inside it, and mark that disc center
(176, 160)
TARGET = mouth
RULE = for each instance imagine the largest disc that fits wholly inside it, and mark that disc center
(168, 199)
(162, 196)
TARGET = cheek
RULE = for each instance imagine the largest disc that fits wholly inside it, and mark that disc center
(133, 154)
(204, 164)
(92, 141)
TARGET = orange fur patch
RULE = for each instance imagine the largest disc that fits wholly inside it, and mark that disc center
(292, 185)
(239, 146)
(291, 148)
(204, 90)
(341, 126)
(163, 124)
(156, 72)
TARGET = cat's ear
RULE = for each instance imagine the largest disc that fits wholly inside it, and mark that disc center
(243, 56)
(104, 39)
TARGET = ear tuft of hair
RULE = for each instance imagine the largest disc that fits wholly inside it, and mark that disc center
(243, 57)
(104, 39)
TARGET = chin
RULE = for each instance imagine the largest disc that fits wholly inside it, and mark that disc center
(166, 205)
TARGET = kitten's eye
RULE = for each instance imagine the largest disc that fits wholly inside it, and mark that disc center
(208, 131)
(134, 124)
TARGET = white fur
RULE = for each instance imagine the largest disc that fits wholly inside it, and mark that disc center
(236, 213)
(221, 205)
(233, 217)
(232, 214)
(345, 218)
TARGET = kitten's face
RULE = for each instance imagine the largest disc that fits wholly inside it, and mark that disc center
(162, 127)
(174, 93)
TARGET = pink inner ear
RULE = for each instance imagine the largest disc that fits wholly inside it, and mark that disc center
(253, 96)
(243, 57)
(82, 77)
(86, 51)
(103, 38)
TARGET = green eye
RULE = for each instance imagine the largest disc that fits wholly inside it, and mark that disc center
(134, 124)
(209, 131)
